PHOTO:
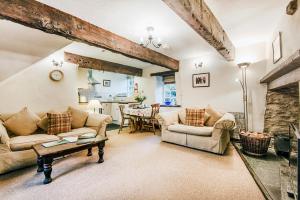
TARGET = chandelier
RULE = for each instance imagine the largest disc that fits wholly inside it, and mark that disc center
(156, 42)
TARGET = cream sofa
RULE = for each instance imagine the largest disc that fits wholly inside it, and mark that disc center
(213, 139)
(16, 151)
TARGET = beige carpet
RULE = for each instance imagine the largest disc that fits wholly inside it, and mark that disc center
(137, 166)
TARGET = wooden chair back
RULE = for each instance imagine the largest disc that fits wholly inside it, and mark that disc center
(122, 107)
(155, 110)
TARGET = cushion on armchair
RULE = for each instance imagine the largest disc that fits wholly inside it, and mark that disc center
(182, 116)
(214, 116)
(195, 117)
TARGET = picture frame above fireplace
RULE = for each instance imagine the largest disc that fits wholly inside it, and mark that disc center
(277, 48)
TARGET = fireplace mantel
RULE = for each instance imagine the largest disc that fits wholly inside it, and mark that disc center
(286, 73)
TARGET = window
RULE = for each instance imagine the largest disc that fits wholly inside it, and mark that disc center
(130, 83)
(169, 90)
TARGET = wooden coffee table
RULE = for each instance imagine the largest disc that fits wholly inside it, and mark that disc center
(46, 155)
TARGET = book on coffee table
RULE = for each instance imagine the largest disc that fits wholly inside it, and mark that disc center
(87, 136)
(86, 141)
(54, 143)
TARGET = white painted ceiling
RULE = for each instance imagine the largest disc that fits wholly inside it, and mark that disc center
(32, 42)
(248, 21)
(98, 53)
(20, 47)
(129, 18)
(245, 21)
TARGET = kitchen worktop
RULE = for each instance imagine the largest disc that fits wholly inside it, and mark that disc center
(113, 101)
(121, 102)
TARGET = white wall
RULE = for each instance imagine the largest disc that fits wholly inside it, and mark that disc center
(12, 62)
(118, 82)
(224, 93)
(290, 28)
(148, 85)
(33, 88)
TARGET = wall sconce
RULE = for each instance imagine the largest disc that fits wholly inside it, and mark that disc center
(57, 64)
(198, 65)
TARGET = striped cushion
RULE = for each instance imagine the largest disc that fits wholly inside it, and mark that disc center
(195, 117)
(59, 123)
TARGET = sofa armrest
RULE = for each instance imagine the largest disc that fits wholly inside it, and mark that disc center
(4, 138)
(165, 119)
(98, 121)
(227, 122)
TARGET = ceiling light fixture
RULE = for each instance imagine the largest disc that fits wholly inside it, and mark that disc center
(156, 42)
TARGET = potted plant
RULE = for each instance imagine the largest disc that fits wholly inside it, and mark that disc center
(140, 98)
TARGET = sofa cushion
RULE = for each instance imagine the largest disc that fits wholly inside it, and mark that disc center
(214, 116)
(77, 132)
(195, 117)
(20, 143)
(4, 138)
(79, 117)
(59, 123)
(22, 123)
(182, 116)
(43, 123)
(10, 161)
(4, 149)
(193, 130)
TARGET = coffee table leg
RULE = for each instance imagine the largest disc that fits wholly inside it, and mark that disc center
(101, 152)
(40, 164)
(47, 170)
(90, 152)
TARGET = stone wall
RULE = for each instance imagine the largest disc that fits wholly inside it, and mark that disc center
(240, 124)
(282, 108)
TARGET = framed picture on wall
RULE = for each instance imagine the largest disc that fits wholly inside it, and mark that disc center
(106, 83)
(201, 80)
(277, 48)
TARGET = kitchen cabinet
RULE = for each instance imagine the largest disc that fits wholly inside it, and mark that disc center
(112, 109)
(106, 108)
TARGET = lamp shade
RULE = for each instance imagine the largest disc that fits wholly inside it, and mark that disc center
(94, 104)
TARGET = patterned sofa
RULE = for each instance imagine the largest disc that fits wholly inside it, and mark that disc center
(16, 151)
(208, 138)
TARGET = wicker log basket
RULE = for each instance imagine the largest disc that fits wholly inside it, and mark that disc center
(255, 143)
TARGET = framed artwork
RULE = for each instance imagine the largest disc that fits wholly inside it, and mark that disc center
(277, 48)
(201, 80)
(106, 83)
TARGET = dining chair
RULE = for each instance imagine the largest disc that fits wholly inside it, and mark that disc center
(124, 117)
(150, 121)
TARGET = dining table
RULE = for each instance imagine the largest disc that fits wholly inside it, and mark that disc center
(137, 115)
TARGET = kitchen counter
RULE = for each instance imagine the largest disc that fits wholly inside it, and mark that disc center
(120, 102)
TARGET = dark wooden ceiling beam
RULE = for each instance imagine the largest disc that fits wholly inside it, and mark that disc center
(40, 16)
(165, 73)
(93, 63)
(197, 14)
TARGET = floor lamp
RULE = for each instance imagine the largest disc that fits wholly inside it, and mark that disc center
(243, 67)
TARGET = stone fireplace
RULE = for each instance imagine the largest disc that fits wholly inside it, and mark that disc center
(282, 108)
(282, 99)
